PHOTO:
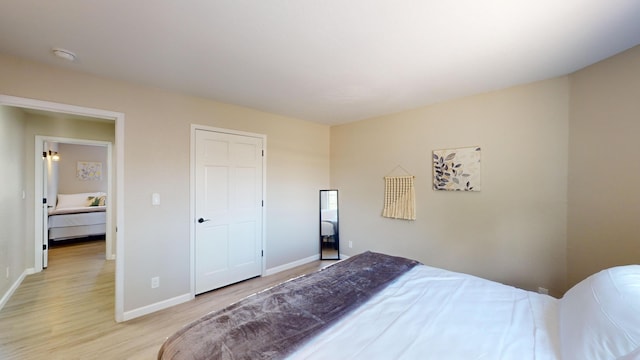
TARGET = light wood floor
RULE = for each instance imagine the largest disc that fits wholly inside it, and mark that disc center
(67, 311)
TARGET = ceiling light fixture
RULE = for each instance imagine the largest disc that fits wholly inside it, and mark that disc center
(64, 54)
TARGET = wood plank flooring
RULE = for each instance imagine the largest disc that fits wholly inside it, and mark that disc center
(67, 311)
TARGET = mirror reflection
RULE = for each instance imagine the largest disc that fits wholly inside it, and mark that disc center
(329, 234)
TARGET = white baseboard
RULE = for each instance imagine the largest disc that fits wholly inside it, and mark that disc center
(128, 315)
(14, 287)
(291, 265)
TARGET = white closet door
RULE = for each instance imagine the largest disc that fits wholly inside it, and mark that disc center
(228, 236)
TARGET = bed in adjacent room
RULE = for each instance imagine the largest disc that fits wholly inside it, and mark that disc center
(375, 306)
(77, 216)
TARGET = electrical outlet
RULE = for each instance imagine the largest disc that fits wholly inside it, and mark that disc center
(155, 282)
(350, 244)
(542, 290)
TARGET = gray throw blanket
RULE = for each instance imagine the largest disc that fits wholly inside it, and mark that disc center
(272, 323)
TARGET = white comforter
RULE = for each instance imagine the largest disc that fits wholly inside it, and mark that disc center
(431, 313)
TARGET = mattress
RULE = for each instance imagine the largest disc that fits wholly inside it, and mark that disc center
(71, 232)
(77, 219)
(70, 223)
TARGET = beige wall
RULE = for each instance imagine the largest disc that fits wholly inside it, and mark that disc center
(68, 127)
(157, 148)
(13, 252)
(513, 231)
(604, 166)
(70, 154)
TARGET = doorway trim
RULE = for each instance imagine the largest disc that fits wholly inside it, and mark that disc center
(39, 177)
(192, 196)
(119, 183)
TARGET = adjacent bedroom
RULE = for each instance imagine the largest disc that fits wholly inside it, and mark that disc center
(76, 192)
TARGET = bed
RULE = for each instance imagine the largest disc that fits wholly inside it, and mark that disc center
(329, 227)
(77, 216)
(376, 306)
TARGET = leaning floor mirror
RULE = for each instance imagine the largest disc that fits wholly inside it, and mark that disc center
(329, 229)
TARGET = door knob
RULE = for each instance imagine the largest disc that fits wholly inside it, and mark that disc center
(201, 220)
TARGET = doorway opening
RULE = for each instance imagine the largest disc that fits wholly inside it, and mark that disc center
(82, 210)
(118, 185)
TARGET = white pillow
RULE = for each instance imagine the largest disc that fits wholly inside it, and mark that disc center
(600, 316)
(66, 201)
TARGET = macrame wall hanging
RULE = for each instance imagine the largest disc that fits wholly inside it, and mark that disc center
(399, 197)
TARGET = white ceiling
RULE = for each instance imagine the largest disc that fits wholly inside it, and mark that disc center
(330, 61)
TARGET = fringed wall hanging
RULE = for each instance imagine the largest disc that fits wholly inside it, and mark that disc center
(399, 197)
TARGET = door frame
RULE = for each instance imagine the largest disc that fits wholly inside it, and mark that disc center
(39, 182)
(192, 196)
(118, 118)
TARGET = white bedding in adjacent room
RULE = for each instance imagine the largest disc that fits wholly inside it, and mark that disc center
(77, 219)
(77, 209)
(77, 215)
(430, 313)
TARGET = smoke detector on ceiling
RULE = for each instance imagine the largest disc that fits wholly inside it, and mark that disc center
(64, 54)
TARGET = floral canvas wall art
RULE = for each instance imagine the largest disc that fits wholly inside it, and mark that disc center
(88, 170)
(457, 169)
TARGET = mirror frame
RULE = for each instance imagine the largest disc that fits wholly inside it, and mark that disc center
(336, 227)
